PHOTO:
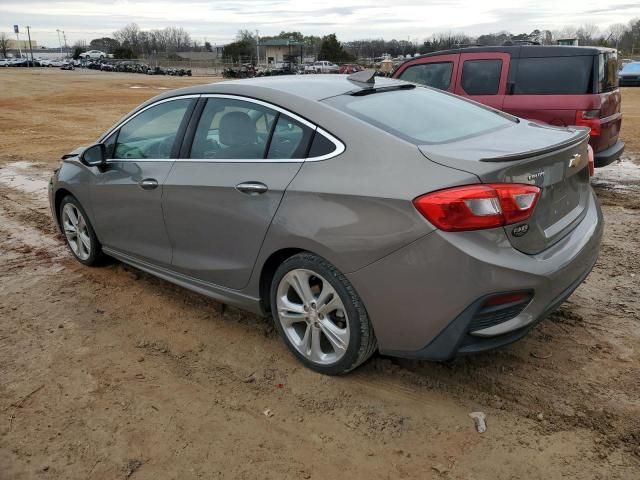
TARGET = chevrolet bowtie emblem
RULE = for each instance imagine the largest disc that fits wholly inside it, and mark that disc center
(575, 161)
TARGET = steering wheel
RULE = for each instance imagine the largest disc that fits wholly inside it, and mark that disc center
(161, 149)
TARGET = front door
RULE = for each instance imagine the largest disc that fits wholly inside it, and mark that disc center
(220, 200)
(127, 195)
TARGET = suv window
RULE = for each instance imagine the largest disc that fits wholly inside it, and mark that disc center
(290, 139)
(437, 75)
(607, 72)
(481, 77)
(554, 76)
(421, 115)
(232, 129)
(151, 134)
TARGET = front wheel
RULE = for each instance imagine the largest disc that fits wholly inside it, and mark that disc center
(79, 234)
(320, 316)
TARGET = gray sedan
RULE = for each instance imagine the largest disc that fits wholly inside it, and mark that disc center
(362, 213)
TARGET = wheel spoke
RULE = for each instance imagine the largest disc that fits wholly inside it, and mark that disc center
(288, 318)
(73, 217)
(299, 280)
(338, 337)
(316, 353)
(329, 307)
(69, 227)
(305, 342)
(86, 241)
(326, 295)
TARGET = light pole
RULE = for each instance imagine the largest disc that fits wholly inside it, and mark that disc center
(30, 47)
(66, 48)
(59, 42)
(257, 47)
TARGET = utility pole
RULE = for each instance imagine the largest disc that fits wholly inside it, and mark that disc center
(257, 47)
(59, 42)
(30, 47)
(66, 47)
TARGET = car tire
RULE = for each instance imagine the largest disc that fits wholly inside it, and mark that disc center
(85, 247)
(329, 330)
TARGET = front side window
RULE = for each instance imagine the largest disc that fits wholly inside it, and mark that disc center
(481, 77)
(421, 115)
(436, 75)
(232, 129)
(152, 133)
(554, 76)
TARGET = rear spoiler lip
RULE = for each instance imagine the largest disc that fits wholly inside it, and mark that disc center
(574, 140)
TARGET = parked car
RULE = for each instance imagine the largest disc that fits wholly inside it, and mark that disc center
(325, 67)
(557, 85)
(4, 62)
(67, 66)
(363, 216)
(93, 55)
(629, 75)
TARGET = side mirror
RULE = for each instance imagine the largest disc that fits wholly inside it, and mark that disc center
(94, 156)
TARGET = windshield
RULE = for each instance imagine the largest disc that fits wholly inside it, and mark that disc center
(422, 115)
(631, 68)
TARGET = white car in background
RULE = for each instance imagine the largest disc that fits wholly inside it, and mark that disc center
(93, 55)
(324, 66)
(4, 62)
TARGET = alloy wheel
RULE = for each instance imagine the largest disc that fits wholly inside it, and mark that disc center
(313, 317)
(76, 230)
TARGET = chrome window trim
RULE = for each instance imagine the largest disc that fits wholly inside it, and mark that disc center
(128, 119)
(339, 146)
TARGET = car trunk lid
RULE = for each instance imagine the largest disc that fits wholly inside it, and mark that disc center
(554, 159)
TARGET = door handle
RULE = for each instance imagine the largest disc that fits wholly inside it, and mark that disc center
(148, 184)
(252, 188)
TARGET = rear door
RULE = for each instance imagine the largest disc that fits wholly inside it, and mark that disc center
(222, 194)
(438, 72)
(482, 77)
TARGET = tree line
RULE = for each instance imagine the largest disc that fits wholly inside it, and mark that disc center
(133, 42)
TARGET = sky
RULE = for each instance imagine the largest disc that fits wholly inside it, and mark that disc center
(218, 20)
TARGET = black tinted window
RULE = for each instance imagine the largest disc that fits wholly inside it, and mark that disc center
(232, 129)
(290, 139)
(607, 71)
(437, 75)
(481, 77)
(554, 75)
(321, 146)
(110, 145)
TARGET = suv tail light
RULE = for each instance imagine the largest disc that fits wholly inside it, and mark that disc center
(589, 118)
(475, 207)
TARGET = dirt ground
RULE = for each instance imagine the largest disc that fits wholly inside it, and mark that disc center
(110, 373)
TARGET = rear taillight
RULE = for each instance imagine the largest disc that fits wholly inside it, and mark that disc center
(474, 207)
(589, 118)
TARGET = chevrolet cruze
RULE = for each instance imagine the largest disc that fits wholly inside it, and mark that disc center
(362, 213)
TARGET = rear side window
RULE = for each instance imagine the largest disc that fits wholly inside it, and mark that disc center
(607, 71)
(436, 75)
(554, 76)
(290, 139)
(481, 77)
(421, 116)
(321, 146)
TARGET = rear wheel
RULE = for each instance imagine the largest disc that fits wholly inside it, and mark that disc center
(320, 316)
(78, 232)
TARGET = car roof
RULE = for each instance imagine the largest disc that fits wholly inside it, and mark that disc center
(307, 87)
(524, 51)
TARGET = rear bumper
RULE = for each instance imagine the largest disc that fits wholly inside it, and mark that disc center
(611, 154)
(421, 299)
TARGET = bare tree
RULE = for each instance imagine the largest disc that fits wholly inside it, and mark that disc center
(615, 33)
(4, 44)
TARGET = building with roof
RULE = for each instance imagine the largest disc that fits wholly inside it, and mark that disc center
(276, 50)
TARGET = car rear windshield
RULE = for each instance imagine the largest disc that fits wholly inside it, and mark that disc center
(422, 115)
(631, 68)
(554, 76)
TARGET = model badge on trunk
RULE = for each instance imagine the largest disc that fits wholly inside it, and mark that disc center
(536, 176)
(520, 230)
(575, 161)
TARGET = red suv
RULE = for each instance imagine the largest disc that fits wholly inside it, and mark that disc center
(557, 85)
